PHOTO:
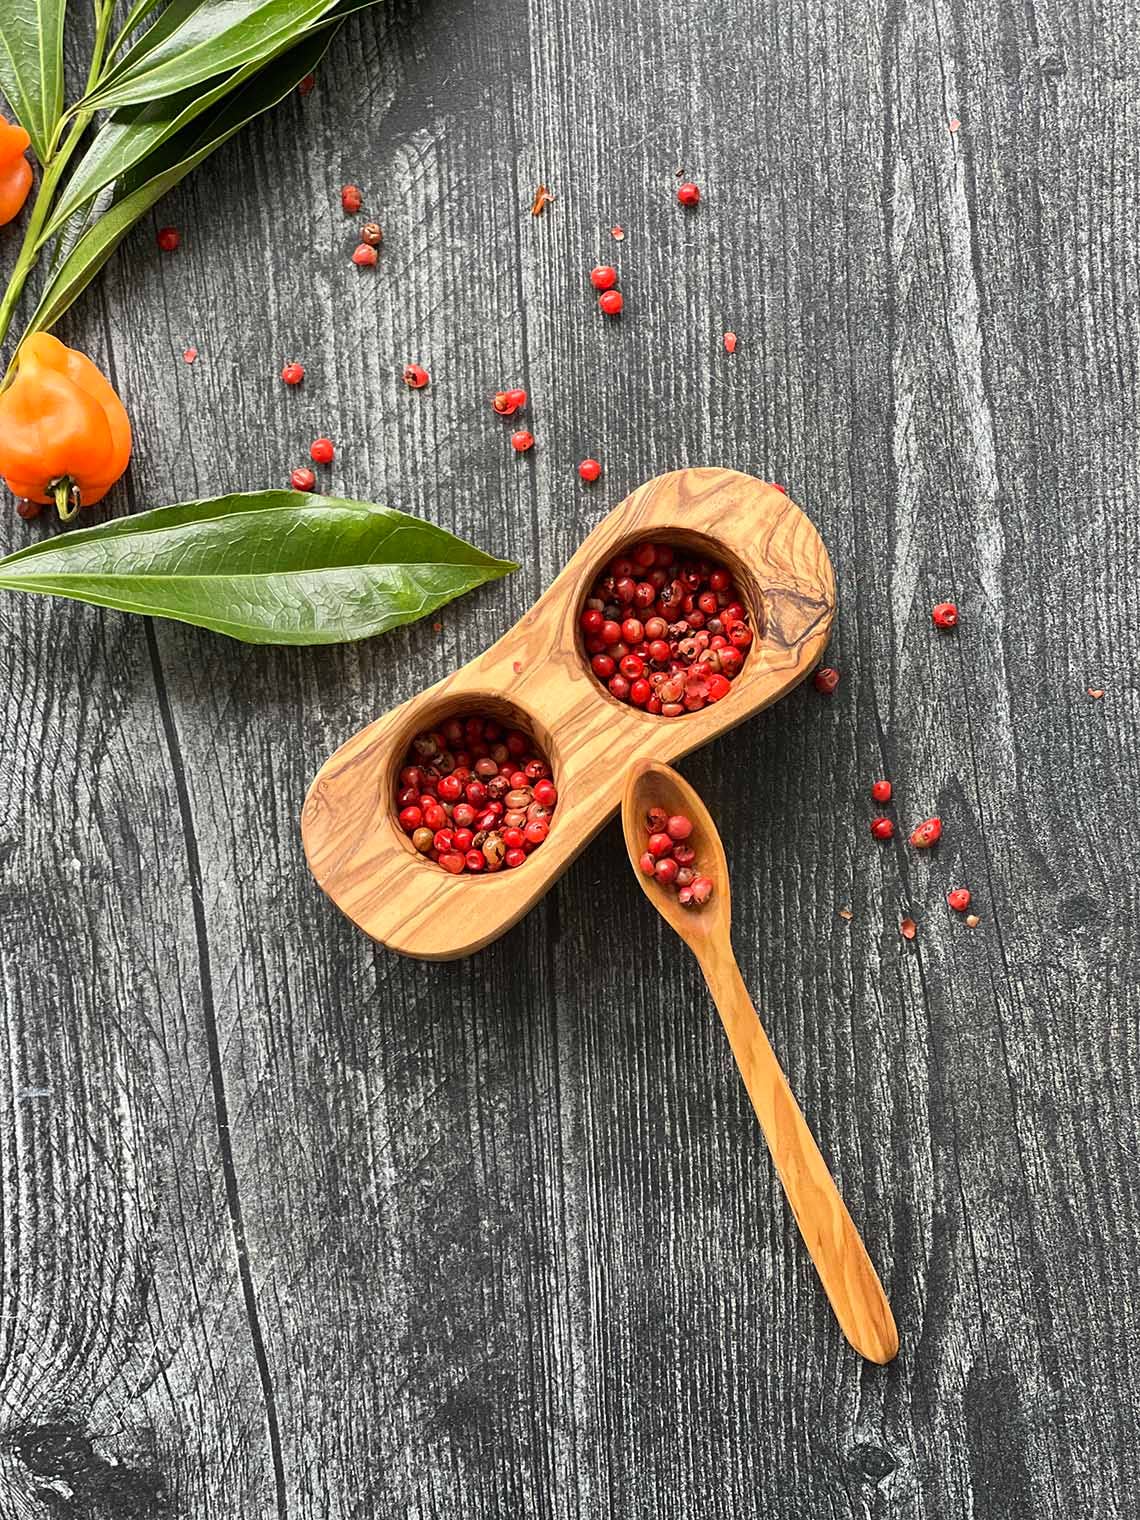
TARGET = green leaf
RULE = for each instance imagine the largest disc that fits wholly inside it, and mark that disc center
(267, 567)
(128, 136)
(31, 66)
(165, 165)
(196, 40)
(134, 132)
(135, 16)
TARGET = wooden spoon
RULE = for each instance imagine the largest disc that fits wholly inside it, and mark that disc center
(840, 1258)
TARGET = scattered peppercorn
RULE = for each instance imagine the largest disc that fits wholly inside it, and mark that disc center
(542, 197)
(665, 633)
(364, 256)
(482, 791)
(881, 791)
(944, 615)
(589, 469)
(415, 376)
(372, 234)
(293, 374)
(688, 193)
(306, 85)
(972, 920)
(302, 478)
(908, 928)
(882, 828)
(730, 342)
(826, 680)
(351, 199)
(503, 404)
(927, 833)
(522, 441)
(28, 509)
(517, 397)
(959, 899)
(603, 277)
(169, 239)
(611, 302)
(321, 451)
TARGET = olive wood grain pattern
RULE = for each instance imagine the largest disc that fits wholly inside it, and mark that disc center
(834, 1244)
(536, 677)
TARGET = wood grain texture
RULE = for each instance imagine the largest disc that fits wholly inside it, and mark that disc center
(293, 1227)
(536, 677)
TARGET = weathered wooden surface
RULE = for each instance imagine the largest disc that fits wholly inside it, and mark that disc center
(294, 1228)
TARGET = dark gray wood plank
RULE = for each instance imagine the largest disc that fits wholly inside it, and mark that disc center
(302, 1229)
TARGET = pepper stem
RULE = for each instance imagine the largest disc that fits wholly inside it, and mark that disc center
(66, 494)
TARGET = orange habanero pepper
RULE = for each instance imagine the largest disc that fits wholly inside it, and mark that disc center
(15, 170)
(64, 434)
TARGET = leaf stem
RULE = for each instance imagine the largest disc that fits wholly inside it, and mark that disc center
(57, 162)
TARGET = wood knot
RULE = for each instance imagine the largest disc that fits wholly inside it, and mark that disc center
(70, 1474)
(874, 1462)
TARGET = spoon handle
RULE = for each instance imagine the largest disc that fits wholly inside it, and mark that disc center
(833, 1242)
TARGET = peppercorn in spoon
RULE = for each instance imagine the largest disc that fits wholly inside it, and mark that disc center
(840, 1258)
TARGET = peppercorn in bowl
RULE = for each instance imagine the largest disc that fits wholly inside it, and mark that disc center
(666, 628)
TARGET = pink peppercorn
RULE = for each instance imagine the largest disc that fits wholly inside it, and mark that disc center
(293, 374)
(522, 441)
(882, 828)
(169, 239)
(321, 451)
(364, 255)
(826, 680)
(927, 833)
(944, 615)
(881, 791)
(603, 277)
(589, 469)
(959, 899)
(302, 478)
(611, 302)
(351, 199)
(415, 377)
(688, 193)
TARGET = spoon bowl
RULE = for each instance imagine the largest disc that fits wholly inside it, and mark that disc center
(834, 1244)
(650, 784)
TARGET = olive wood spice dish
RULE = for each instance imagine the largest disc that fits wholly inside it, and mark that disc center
(833, 1242)
(537, 678)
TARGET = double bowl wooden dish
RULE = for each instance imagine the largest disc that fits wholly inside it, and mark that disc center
(537, 677)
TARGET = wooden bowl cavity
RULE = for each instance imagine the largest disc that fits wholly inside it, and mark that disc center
(696, 546)
(434, 713)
